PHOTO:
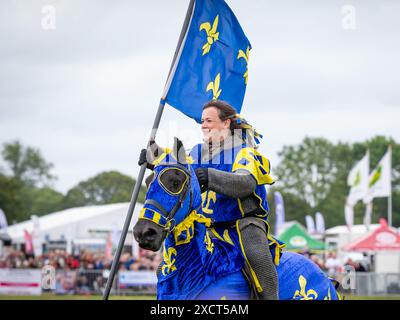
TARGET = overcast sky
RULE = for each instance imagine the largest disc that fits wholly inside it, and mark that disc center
(86, 92)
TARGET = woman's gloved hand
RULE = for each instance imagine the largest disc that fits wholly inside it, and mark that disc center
(202, 176)
(143, 159)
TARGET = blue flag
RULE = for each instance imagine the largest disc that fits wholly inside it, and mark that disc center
(213, 62)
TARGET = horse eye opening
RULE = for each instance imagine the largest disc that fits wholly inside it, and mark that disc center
(173, 180)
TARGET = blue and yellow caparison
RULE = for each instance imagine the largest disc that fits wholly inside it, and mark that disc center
(191, 260)
(197, 266)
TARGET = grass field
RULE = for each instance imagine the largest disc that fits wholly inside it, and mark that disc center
(76, 297)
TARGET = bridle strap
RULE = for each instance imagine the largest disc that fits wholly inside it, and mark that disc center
(158, 206)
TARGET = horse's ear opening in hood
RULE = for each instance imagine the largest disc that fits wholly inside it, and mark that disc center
(154, 151)
(178, 151)
(149, 179)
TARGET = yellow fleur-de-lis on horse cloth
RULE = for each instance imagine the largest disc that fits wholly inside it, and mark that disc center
(169, 262)
(245, 56)
(302, 293)
(209, 243)
(212, 34)
(214, 86)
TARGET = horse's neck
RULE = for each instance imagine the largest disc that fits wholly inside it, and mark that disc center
(185, 245)
(188, 236)
(189, 250)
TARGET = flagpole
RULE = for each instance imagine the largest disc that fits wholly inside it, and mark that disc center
(142, 170)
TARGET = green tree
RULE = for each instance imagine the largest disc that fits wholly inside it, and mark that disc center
(25, 190)
(45, 200)
(11, 200)
(104, 188)
(74, 198)
(315, 171)
(24, 183)
(307, 170)
(26, 164)
(19, 201)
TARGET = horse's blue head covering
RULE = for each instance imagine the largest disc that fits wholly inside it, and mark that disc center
(167, 208)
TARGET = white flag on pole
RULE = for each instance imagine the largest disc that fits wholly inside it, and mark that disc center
(358, 180)
(319, 223)
(310, 224)
(379, 182)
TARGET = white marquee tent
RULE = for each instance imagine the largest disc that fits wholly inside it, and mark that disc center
(339, 236)
(77, 224)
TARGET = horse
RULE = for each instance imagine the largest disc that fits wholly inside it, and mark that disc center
(196, 265)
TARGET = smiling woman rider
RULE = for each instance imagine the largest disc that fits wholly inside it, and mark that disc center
(232, 176)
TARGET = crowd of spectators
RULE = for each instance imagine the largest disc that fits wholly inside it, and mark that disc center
(147, 260)
(332, 266)
(84, 273)
(85, 260)
(87, 272)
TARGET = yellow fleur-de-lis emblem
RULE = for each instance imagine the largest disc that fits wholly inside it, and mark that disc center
(209, 243)
(245, 56)
(302, 293)
(208, 198)
(169, 265)
(212, 34)
(227, 237)
(214, 87)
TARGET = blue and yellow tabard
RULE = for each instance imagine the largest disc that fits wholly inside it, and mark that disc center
(221, 208)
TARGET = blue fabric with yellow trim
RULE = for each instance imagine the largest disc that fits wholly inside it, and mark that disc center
(186, 277)
(221, 208)
(233, 287)
(231, 235)
(195, 266)
(149, 214)
(156, 191)
(195, 273)
(301, 279)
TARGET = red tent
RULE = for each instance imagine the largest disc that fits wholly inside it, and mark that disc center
(383, 238)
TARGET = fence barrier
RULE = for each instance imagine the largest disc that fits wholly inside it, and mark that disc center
(92, 282)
